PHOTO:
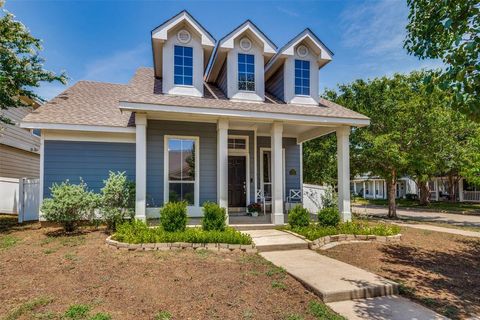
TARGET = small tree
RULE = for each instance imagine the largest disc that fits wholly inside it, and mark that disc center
(118, 199)
(70, 204)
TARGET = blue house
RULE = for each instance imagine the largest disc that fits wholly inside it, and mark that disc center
(219, 121)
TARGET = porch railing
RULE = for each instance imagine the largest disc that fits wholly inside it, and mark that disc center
(473, 196)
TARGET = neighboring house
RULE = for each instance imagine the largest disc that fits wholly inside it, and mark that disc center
(212, 121)
(19, 156)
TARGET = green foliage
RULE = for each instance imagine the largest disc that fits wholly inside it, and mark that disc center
(8, 241)
(70, 203)
(329, 217)
(118, 199)
(77, 312)
(315, 231)
(321, 311)
(138, 232)
(214, 217)
(279, 285)
(173, 216)
(101, 316)
(163, 315)
(449, 30)
(21, 67)
(329, 199)
(298, 217)
(27, 307)
(320, 160)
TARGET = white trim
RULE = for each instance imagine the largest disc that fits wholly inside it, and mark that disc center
(140, 166)
(192, 210)
(222, 164)
(61, 135)
(307, 119)
(243, 153)
(255, 169)
(75, 127)
(42, 173)
(262, 150)
(301, 168)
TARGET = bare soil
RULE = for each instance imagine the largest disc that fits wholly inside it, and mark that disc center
(80, 269)
(438, 270)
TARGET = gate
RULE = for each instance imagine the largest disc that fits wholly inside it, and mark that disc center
(29, 199)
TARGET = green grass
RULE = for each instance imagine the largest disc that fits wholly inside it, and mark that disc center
(321, 311)
(315, 231)
(279, 285)
(8, 241)
(77, 312)
(28, 307)
(139, 232)
(459, 207)
(163, 315)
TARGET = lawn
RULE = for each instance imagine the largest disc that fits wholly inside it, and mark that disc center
(51, 276)
(438, 270)
(459, 207)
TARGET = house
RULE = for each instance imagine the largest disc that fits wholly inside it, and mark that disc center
(375, 187)
(219, 121)
(19, 155)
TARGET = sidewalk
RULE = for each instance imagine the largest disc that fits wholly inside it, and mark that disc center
(466, 233)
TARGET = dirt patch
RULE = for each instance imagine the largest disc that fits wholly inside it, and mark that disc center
(439, 270)
(60, 271)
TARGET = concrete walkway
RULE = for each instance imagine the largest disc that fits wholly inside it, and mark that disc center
(350, 291)
(419, 215)
(461, 232)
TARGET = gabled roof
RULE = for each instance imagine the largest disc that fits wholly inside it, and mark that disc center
(325, 55)
(228, 41)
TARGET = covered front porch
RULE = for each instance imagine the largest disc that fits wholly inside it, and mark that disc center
(234, 161)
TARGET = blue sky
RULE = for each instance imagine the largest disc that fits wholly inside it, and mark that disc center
(108, 40)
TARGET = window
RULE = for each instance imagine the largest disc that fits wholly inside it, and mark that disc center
(246, 72)
(235, 143)
(37, 132)
(302, 77)
(183, 65)
(181, 169)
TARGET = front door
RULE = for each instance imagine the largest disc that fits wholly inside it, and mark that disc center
(237, 187)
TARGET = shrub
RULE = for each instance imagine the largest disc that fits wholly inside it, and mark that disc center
(411, 196)
(329, 217)
(173, 216)
(214, 217)
(118, 199)
(298, 217)
(329, 199)
(70, 203)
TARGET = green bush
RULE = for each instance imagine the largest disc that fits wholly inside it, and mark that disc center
(173, 216)
(138, 232)
(329, 217)
(298, 217)
(70, 204)
(117, 199)
(214, 217)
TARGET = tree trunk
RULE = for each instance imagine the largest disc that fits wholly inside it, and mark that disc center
(392, 191)
(452, 183)
(424, 193)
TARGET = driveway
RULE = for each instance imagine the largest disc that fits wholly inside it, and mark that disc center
(419, 215)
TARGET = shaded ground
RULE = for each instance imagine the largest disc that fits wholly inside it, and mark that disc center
(439, 270)
(43, 275)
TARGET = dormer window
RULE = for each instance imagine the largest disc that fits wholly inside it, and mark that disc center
(246, 72)
(183, 66)
(302, 77)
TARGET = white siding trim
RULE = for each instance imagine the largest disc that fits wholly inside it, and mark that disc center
(42, 173)
(75, 127)
(63, 135)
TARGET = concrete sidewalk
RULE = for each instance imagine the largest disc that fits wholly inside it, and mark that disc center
(275, 240)
(461, 232)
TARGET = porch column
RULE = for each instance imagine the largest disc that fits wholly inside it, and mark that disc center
(222, 164)
(354, 188)
(343, 159)
(460, 190)
(374, 189)
(277, 174)
(435, 186)
(384, 189)
(364, 190)
(140, 165)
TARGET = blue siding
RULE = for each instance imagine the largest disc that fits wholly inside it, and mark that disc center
(275, 85)
(207, 133)
(292, 161)
(222, 78)
(90, 161)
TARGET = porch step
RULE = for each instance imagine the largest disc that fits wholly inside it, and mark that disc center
(275, 240)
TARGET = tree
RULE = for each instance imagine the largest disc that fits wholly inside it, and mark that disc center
(449, 30)
(320, 160)
(21, 67)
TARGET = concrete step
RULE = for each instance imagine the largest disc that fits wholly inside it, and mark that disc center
(330, 279)
(275, 240)
(282, 247)
(253, 226)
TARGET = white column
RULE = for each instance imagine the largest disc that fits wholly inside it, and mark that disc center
(222, 164)
(277, 174)
(42, 173)
(374, 189)
(140, 165)
(460, 190)
(364, 189)
(343, 164)
(354, 187)
(435, 186)
(384, 189)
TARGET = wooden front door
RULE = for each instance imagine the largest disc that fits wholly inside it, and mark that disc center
(237, 184)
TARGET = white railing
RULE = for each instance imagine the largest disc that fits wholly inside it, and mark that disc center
(473, 196)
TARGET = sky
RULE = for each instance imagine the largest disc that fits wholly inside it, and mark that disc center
(108, 40)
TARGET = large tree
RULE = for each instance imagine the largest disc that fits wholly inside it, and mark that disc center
(21, 67)
(449, 30)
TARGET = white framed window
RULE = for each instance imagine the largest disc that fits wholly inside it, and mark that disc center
(302, 77)
(182, 169)
(266, 172)
(183, 66)
(246, 72)
(237, 143)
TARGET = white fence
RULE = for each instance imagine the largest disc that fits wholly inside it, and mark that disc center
(312, 197)
(20, 196)
(473, 196)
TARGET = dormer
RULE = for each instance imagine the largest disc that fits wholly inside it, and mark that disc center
(181, 51)
(238, 64)
(292, 75)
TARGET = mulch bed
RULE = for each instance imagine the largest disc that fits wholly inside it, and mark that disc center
(438, 270)
(81, 269)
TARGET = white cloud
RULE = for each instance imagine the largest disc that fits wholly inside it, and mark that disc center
(289, 12)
